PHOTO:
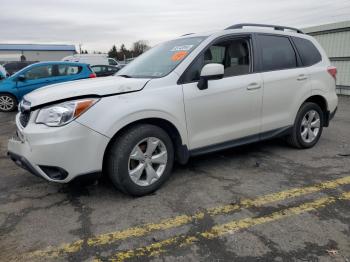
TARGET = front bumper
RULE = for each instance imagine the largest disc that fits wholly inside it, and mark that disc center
(58, 154)
(23, 163)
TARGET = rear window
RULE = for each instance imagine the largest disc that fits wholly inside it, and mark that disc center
(308, 52)
(277, 53)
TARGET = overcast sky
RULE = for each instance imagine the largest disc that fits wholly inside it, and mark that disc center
(100, 24)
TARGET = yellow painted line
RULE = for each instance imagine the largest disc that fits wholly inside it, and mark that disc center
(181, 220)
(219, 230)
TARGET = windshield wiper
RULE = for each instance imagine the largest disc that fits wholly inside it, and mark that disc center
(126, 76)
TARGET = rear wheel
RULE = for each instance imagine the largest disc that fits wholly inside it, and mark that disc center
(140, 160)
(308, 126)
(8, 103)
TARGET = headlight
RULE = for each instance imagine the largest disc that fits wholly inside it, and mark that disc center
(63, 113)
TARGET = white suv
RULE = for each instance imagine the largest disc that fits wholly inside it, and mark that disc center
(192, 95)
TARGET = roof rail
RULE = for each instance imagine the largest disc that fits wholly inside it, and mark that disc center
(276, 27)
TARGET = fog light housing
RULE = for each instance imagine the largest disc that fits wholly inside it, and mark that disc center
(55, 173)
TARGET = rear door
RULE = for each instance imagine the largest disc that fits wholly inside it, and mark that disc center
(67, 72)
(285, 81)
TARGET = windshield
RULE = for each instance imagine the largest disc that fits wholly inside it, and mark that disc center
(162, 59)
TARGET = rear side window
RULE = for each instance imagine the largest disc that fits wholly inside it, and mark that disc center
(277, 53)
(66, 70)
(308, 52)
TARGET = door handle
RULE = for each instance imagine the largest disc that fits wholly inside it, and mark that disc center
(302, 77)
(253, 86)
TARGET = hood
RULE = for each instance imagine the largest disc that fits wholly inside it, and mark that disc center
(94, 87)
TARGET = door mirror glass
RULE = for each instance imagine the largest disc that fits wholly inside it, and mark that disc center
(21, 78)
(211, 71)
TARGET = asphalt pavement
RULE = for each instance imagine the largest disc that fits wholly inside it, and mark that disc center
(260, 202)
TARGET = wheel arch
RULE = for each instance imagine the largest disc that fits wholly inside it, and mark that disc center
(322, 103)
(9, 93)
(181, 151)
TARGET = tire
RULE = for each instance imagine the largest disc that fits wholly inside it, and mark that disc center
(300, 136)
(130, 169)
(8, 103)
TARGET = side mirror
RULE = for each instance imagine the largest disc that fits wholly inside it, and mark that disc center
(210, 72)
(21, 78)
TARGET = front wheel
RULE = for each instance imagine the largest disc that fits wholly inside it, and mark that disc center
(8, 103)
(308, 126)
(140, 160)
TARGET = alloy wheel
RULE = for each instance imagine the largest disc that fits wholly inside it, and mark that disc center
(310, 126)
(6, 103)
(147, 161)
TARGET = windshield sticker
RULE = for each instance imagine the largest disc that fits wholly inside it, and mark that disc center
(179, 56)
(181, 48)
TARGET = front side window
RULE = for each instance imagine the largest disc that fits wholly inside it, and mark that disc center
(233, 54)
(277, 53)
(39, 72)
(161, 59)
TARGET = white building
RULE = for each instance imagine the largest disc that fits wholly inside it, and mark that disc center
(335, 39)
(35, 52)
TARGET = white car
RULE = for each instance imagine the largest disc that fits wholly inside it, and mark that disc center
(92, 59)
(192, 95)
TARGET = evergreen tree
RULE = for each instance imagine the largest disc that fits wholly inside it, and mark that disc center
(113, 53)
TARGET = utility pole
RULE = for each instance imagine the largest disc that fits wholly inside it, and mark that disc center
(80, 45)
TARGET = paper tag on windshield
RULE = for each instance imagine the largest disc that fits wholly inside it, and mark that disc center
(181, 48)
(179, 56)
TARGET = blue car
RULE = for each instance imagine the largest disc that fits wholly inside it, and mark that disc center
(37, 75)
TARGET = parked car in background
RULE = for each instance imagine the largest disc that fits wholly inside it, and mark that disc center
(14, 67)
(104, 70)
(3, 73)
(125, 62)
(37, 75)
(91, 59)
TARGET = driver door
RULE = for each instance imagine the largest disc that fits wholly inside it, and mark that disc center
(35, 78)
(230, 108)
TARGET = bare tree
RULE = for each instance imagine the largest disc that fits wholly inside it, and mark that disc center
(139, 47)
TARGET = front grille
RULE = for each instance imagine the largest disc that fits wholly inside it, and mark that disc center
(24, 109)
(24, 118)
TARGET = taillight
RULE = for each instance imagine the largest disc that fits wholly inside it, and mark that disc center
(332, 70)
(92, 75)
